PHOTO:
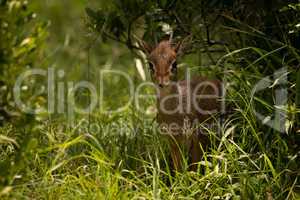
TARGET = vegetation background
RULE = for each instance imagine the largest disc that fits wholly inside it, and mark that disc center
(43, 157)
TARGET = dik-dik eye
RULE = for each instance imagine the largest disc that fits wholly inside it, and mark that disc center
(151, 67)
(174, 67)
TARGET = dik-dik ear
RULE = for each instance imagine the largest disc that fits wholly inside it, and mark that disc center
(178, 47)
(182, 45)
(145, 47)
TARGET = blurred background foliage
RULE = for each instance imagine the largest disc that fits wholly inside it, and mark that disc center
(237, 41)
(22, 43)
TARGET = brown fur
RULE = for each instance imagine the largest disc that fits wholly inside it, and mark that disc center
(184, 106)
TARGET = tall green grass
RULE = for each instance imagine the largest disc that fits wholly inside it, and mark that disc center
(246, 161)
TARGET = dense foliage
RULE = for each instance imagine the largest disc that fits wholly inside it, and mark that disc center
(22, 38)
(244, 41)
(123, 156)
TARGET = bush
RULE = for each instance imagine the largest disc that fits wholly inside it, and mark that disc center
(21, 47)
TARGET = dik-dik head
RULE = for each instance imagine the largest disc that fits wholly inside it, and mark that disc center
(162, 61)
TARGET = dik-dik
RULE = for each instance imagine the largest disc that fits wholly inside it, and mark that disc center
(181, 104)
